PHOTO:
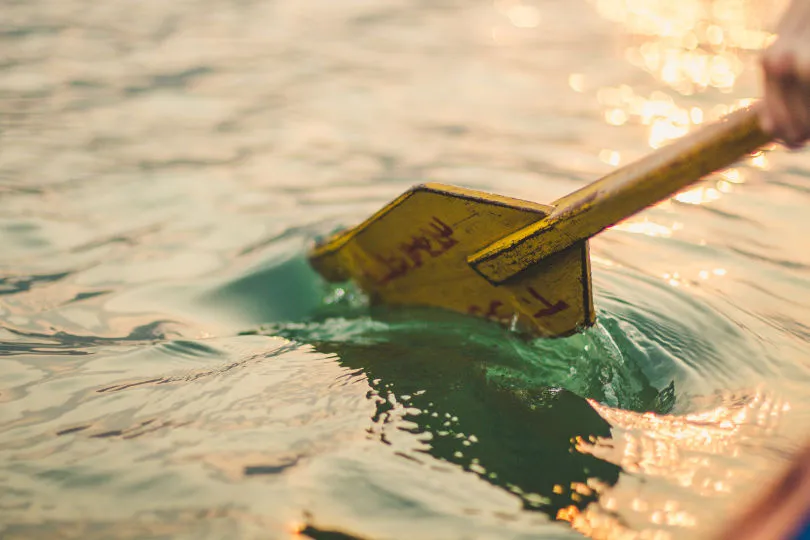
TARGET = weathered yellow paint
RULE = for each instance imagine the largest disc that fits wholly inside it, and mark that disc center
(621, 194)
(414, 252)
(514, 261)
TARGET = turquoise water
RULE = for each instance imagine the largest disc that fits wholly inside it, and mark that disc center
(172, 368)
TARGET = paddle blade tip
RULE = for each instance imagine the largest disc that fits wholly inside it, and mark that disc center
(414, 252)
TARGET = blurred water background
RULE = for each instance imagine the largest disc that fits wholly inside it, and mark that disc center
(172, 368)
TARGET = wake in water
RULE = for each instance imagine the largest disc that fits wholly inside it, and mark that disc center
(559, 422)
(481, 397)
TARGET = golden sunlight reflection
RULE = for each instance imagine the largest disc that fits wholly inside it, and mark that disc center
(679, 450)
(611, 157)
(673, 279)
(759, 160)
(577, 82)
(698, 195)
(688, 47)
(649, 228)
(651, 443)
(523, 16)
(296, 529)
(707, 274)
(520, 15)
(666, 119)
(615, 117)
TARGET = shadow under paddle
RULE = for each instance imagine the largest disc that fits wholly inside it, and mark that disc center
(447, 370)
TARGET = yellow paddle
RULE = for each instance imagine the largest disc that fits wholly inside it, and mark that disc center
(517, 262)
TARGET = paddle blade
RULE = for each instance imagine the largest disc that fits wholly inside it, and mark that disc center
(414, 252)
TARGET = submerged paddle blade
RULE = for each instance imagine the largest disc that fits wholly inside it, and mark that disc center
(414, 252)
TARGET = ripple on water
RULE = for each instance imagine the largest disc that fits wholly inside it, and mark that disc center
(689, 341)
(171, 366)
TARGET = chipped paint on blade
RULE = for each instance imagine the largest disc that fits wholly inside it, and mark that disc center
(414, 252)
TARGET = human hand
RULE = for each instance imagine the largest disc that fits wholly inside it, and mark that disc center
(785, 110)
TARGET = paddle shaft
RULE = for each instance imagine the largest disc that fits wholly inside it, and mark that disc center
(617, 196)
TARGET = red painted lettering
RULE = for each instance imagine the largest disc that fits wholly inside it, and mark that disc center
(491, 313)
(434, 241)
(442, 233)
(418, 246)
(549, 309)
(396, 266)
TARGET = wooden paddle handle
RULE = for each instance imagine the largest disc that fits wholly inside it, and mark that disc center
(621, 194)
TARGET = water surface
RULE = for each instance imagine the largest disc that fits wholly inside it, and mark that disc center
(171, 367)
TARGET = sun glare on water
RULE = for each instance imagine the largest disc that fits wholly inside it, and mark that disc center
(688, 48)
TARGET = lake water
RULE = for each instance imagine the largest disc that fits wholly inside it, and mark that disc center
(172, 368)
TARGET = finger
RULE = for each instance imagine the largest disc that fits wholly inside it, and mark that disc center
(777, 116)
(802, 108)
(777, 66)
(797, 114)
(802, 71)
(766, 120)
